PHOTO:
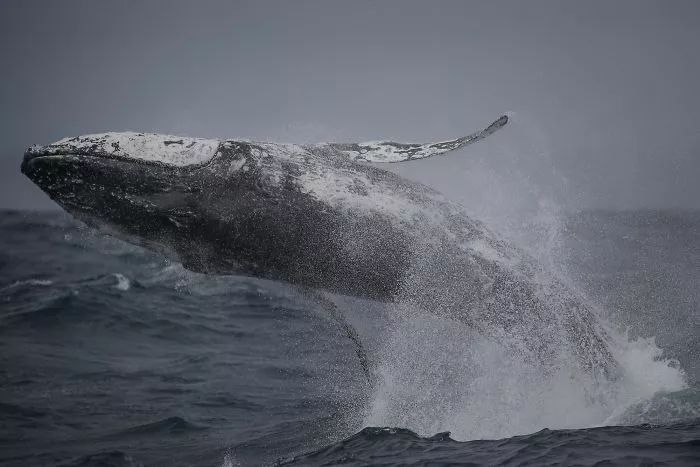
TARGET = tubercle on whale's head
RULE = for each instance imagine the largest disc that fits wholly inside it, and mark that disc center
(176, 151)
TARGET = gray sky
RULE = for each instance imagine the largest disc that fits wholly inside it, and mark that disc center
(605, 94)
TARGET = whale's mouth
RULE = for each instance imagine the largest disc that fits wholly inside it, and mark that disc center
(39, 166)
(35, 153)
(48, 154)
(112, 193)
(77, 182)
(52, 169)
(81, 179)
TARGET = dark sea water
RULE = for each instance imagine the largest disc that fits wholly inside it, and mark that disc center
(113, 356)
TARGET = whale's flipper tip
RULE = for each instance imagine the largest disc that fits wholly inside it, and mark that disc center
(496, 125)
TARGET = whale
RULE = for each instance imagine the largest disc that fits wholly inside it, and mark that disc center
(327, 218)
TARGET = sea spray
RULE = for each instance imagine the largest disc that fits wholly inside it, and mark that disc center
(436, 374)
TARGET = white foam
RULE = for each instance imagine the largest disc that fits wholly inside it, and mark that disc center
(32, 282)
(230, 460)
(647, 373)
(437, 375)
(123, 283)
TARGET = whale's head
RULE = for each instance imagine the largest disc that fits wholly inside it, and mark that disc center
(137, 186)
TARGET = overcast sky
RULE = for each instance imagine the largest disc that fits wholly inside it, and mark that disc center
(604, 94)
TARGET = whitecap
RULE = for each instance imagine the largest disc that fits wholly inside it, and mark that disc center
(123, 283)
(30, 282)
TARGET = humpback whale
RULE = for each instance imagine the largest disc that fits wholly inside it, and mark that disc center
(324, 217)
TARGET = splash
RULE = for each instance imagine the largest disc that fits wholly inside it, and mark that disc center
(436, 375)
(230, 460)
(439, 375)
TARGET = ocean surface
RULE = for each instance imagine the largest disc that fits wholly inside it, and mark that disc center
(113, 356)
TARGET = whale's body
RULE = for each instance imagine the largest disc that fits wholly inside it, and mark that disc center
(321, 217)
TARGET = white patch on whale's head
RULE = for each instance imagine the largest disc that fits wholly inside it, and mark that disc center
(149, 147)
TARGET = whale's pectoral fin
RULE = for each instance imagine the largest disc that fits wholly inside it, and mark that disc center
(350, 332)
(385, 151)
